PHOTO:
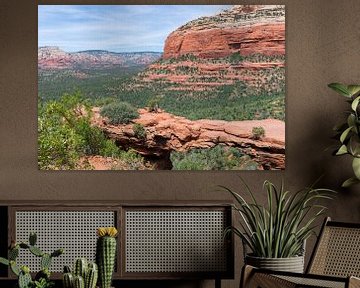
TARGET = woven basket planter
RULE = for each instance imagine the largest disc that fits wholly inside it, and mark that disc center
(291, 264)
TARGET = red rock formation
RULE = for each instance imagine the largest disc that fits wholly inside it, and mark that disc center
(166, 132)
(267, 39)
(207, 45)
(248, 29)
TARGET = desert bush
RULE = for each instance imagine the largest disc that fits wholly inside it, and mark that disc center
(153, 104)
(130, 160)
(65, 134)
(58, 143)
(94, 140)
(236, 57)
(119, 112)
(139, 131)
(258, 132)
(216, 158)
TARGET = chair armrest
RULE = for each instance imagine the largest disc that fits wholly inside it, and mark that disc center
(246, 273)
(252, 277)
(354, 282)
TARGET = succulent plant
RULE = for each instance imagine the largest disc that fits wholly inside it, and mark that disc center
(25, 279)
(42, 278)
(79, 282)
(85, 275)
(91, 276)
(68, 278)
(106, 254)
(80, 267)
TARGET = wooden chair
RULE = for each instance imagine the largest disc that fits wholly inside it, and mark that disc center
(335, 262)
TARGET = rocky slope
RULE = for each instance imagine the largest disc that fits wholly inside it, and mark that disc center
(52, 57)
(248, 29)
(243, 44)
(166, 132)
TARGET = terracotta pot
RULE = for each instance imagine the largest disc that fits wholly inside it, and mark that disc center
(291, 264)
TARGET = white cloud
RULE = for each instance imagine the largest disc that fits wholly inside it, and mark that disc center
(84, 27)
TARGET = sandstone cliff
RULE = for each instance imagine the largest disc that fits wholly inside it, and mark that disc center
(166, 132)
(248, 29)
(245, 43)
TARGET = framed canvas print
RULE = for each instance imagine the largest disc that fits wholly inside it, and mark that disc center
(161, 87)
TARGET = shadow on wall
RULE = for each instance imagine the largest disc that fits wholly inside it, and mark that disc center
(333, 170)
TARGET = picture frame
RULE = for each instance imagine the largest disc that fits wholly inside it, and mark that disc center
(161, 87)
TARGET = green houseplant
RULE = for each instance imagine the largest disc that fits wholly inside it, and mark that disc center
(275, 233)
(42, 278)
(348, 132)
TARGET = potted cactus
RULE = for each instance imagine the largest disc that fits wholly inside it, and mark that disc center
(42, 278)
(84, 275)
(106, 254)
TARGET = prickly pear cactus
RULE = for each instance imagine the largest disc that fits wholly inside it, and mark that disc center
(45, 261)
(23, 273)
(32, 238)
(13, 253)
(4, 261)
(24, 277)
(36, 251)
(57, 253)
(106, 254)
(43, 274)
(14, 268)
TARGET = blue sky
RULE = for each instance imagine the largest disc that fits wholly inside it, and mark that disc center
(118, 28)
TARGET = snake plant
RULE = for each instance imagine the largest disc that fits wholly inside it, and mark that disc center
(349, 131)
(279, 228)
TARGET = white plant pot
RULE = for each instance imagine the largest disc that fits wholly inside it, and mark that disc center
(291, 264)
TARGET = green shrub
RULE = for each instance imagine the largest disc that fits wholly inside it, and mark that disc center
(65, 134)
(216, 158)
(258, 132)
(130, 160)
(139, 131)
(154, 104)
(94, 140)
(58, 143)
(119, 112)
(236, 57)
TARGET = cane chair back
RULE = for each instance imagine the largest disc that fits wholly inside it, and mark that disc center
(335, 262)
(337, 252)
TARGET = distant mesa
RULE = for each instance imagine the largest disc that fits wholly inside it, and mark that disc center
(52, 57)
